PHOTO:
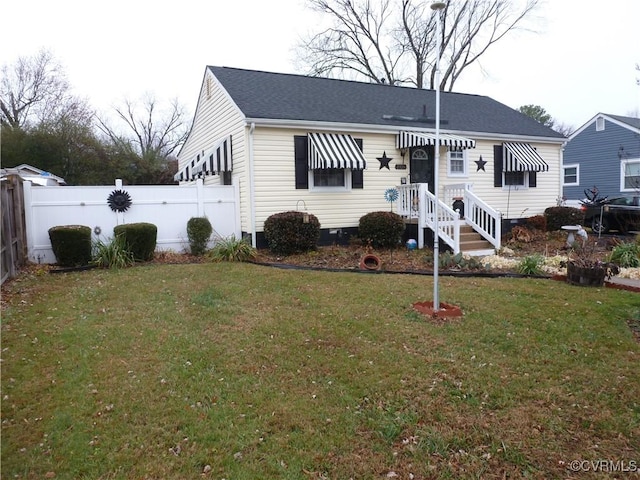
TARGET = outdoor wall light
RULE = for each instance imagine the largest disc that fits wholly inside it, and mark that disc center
(621, 153)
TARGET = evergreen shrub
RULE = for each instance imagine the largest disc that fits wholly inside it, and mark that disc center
(139, 238)
(557, 217)
(381, 229)
(287, 232)
(199, 231)
(71, 244)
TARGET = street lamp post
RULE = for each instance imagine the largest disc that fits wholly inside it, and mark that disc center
(437, 7)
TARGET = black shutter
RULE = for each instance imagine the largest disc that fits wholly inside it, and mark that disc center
(357, 176)
(301, 146)
(497, 165)
(533, 179)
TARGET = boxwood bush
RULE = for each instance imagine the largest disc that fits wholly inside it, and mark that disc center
(199, 231)
(139, 238)
(558, 216)
(381, 229)
(71, 244)
(287, 232)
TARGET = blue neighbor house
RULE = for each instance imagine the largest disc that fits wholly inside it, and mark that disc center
(604, 153)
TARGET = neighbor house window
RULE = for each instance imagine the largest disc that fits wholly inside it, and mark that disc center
(457, 162)
(630, 175)
(571, 175)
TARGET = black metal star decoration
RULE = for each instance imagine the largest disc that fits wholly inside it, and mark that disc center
(481, 163)
(384, 161)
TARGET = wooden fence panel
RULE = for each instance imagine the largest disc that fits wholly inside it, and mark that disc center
(14, 241)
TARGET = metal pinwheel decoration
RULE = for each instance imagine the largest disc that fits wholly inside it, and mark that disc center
(119, 201)
(391, 195)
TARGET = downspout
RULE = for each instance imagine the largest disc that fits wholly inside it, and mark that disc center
(561, 174)
(252, 187)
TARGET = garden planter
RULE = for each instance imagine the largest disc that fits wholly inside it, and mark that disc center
(585, 276)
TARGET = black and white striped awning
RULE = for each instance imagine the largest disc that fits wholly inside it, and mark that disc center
(213, 161)
(522, 157)
(331, 150)
(420, 139)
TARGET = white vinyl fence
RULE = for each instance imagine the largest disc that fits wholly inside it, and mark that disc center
(169, 207)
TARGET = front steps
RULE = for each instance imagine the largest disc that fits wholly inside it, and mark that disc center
(472, 243)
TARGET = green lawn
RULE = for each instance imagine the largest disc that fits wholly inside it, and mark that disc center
(240, 371)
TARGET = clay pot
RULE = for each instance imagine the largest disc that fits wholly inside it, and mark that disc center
(370, 262)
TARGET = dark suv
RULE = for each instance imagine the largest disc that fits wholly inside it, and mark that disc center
(620, 213)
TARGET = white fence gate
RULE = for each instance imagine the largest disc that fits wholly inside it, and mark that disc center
(169, 207)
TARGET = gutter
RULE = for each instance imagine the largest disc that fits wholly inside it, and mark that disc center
(252, 188)
(394, 129)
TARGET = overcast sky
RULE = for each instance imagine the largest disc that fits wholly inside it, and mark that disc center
(581, 61)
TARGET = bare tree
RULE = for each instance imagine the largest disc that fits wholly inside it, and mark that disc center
(32, 90)
(150, 136)
(383, 44)
(152, 131)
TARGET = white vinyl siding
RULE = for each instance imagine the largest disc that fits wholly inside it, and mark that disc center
(216, 116)
(275, 180)
(518, 201)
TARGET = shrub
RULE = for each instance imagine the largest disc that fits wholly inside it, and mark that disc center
(626, 255)
(537, 222)
(556, 217)
(112, 254)
(232, 250)
(287, 232)
(531, 265)
(458, 261)
(198, 231)
(139, 238)
(521, 234)
(71, 244)
(381, 229)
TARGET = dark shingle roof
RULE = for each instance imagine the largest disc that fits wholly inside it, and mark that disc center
(268, 95)
(631, 121)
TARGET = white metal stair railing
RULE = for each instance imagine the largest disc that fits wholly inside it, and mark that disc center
(416, 202)
(484, 219)
(408, 200)
(448, 220)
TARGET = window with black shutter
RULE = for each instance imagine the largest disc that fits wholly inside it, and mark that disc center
(514, 178)
(323, 177)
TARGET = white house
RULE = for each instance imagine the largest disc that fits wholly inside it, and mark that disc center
(35, 175)
(334, 147)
